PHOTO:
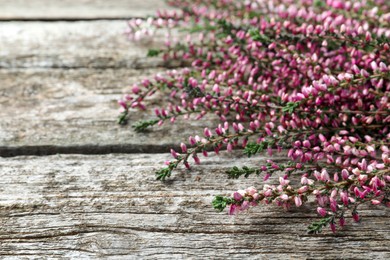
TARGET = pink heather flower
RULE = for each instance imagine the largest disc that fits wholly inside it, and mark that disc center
(342, 222)
(266, 176)
(333, 204)
(322, 138)
(229, 147)
(239, 195)
(374, 65)
(283, 181)
(363, 165)
(332, 227)
(207, 132)
(325, 175)
(380, 166)
(122, 104)
(256, 196)
(216, 88)
(268, 192)
(317, 175)
(303, 189)
(352, 139)
(298, 201)
(135, 89)
(306, 144)
(157, 112)
(174, 153)
(245, 205)
(187, 165)
(355, 216)
(192, 140)
(234, 209)
(363, 178)
(321, 211)
(183, 148)
(344, 197)
(196, 159)
(344, 174)
(251, 191)
(284, 197)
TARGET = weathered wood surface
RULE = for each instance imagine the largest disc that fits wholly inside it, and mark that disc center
(110, 206)
(46, 111)
(82, 44)
(77, 9)
(59, 78)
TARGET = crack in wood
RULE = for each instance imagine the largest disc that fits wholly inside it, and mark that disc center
(44, 150)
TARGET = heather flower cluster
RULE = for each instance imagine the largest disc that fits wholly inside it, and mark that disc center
(308, 80)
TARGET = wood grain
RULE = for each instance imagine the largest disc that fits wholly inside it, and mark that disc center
(60, 83)
(77, 9)
(110, 206)
(81, 44)
(48, 111)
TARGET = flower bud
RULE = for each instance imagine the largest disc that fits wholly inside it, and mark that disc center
(321, 211)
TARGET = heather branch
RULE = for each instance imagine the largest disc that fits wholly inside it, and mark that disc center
(309, 77)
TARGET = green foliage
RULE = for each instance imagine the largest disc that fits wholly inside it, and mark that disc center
(167, 171)
(316, 227)
(254, 148)
(153, 52)
(164, 173)
(257, 36)
(290, 107)
(122, 118)
(225, 29)
(319, 3)
(219, 203)
(235, 172)
(141, 126)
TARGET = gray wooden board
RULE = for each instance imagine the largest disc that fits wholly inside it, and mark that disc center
(110, 206)
(81, 44)
(77, 9)
(46, 111)
(59, 87)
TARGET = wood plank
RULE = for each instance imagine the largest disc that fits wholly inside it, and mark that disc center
(75, 111)
(77, 9)
(85, 44)
(110, 206)
(71, 88)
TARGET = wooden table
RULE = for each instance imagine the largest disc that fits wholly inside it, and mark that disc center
(75, 185)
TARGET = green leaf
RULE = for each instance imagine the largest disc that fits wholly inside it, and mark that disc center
(219, 203)
(164, 173)
(257, 36)
(141, 126)
(254, 148)
(235, 172)
(122, 118)
(153, 52)
(290, 107)
(317, 226)
(319, 3)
